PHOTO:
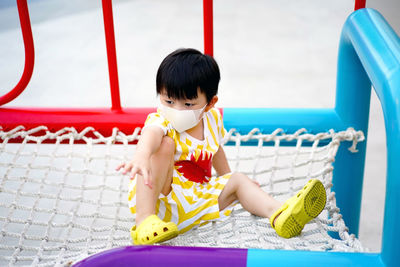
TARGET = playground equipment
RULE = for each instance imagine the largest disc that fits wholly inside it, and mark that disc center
(369, 53)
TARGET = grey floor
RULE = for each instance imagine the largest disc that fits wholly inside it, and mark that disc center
(271, 54)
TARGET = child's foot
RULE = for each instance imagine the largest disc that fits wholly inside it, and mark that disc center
(153, 230)
(297, 211)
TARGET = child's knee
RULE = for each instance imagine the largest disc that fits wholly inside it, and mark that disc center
(241, 178)
(238, 177)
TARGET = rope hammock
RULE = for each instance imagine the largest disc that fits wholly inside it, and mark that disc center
(64, 201)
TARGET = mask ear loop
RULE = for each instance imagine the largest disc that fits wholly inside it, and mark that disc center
(202, 110)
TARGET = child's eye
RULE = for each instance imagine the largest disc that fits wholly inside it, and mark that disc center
(169, 102)
(188, 104)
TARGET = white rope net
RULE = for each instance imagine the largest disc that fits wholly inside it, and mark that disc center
(64, 201)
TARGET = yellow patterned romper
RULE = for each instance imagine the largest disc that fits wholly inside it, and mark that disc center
(193, 199)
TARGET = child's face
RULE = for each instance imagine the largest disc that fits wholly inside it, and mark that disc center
(184, 104)
(185, 114)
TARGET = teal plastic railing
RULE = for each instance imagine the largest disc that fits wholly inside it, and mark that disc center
(369, 54)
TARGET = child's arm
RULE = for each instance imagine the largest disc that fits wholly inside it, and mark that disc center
(148, 144)
(220, 163)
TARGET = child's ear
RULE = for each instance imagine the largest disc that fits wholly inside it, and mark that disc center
(212, 103)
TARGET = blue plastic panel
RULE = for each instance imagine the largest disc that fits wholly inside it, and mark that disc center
(369, 53)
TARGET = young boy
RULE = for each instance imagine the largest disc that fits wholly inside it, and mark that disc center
(171, 188)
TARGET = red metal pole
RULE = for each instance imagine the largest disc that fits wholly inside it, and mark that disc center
(359, 4)
(208, 27)
(111, 54)
(29, 54)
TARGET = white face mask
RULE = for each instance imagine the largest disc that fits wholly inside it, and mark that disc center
(182, 120)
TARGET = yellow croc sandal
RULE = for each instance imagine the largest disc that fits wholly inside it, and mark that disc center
(153, 230)
(289, 220)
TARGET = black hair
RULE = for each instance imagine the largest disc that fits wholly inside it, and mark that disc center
(185, 70)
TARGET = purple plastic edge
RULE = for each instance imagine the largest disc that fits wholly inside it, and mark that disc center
(157, 256)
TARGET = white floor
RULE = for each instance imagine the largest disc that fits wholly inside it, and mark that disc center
(271, 54)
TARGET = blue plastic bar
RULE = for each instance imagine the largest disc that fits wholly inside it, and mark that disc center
(290, 120)
(353, 91)
(261, 258)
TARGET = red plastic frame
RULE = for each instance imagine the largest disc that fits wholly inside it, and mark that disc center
(359, 4)
(29, 54)
(102, 120)
(208, 27)
(111, 54)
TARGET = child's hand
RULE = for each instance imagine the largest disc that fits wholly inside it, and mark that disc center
(140, 167)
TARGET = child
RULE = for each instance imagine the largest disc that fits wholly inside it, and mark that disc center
(171, 188)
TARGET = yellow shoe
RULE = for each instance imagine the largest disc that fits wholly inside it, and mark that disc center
(298, 210)
(153, 230)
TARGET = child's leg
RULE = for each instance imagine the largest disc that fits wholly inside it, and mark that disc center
(250, 195)
(161, 172)
(288, 219)
(149, 228)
